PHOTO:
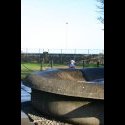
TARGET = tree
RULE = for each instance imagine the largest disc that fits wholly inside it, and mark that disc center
(101, 10)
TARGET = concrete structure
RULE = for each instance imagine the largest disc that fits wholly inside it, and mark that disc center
(74, 95)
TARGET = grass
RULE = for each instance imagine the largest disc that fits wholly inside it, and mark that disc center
(30, 66)
(27, 68)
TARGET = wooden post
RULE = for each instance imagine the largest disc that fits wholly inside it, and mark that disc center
(97, 63)
(83, 63)
(61, 57)
(51, 63)
(42, 63)
(39, 56)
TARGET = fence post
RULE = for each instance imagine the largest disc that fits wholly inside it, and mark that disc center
(39, 55)
(88, 51)
(41, 66)
(26, 55)
(61, 57)
(42, 63)
(51, 63)
(83, 64)
(97, 63)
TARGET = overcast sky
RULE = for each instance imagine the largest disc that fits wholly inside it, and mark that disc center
(61, 24)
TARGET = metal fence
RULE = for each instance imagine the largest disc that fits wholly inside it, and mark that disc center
(41, 59)
(62, 51)
(61, 56)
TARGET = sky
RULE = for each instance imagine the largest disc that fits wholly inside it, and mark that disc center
(61, 24)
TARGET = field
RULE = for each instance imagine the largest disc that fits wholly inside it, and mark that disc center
(27, 68)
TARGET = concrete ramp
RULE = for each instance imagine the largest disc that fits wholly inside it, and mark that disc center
(91, 74)
(72, 95)
(69, 82)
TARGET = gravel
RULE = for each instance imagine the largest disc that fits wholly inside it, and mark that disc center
(39, 119)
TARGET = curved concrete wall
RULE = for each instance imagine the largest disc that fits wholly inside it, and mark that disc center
(70, 82)
(71, 109)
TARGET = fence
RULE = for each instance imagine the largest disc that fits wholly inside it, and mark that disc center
(40, 59)
(62, 51)
(61, 56)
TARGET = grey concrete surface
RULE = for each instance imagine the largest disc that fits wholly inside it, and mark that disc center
(70, 82)
(74, 110)
(74, 95)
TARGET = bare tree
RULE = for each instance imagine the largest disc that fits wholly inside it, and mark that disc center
(101, 10)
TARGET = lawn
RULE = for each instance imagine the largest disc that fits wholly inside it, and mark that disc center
(27, 68)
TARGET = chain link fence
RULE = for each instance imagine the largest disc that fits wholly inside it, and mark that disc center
(40, 59)
(62, 56)
(62, 51)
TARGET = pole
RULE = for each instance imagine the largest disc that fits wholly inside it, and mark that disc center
(83, 63)
(97, 63)
(51, 63)
(66, 35)
(41, 67)
(61, 57)
(39, 56)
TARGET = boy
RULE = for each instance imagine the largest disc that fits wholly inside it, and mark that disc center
(72, 64)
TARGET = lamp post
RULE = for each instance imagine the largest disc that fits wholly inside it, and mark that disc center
(66, 35)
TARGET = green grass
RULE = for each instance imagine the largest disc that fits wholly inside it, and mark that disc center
(27, 68)
(31, 66)
(24, 74)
